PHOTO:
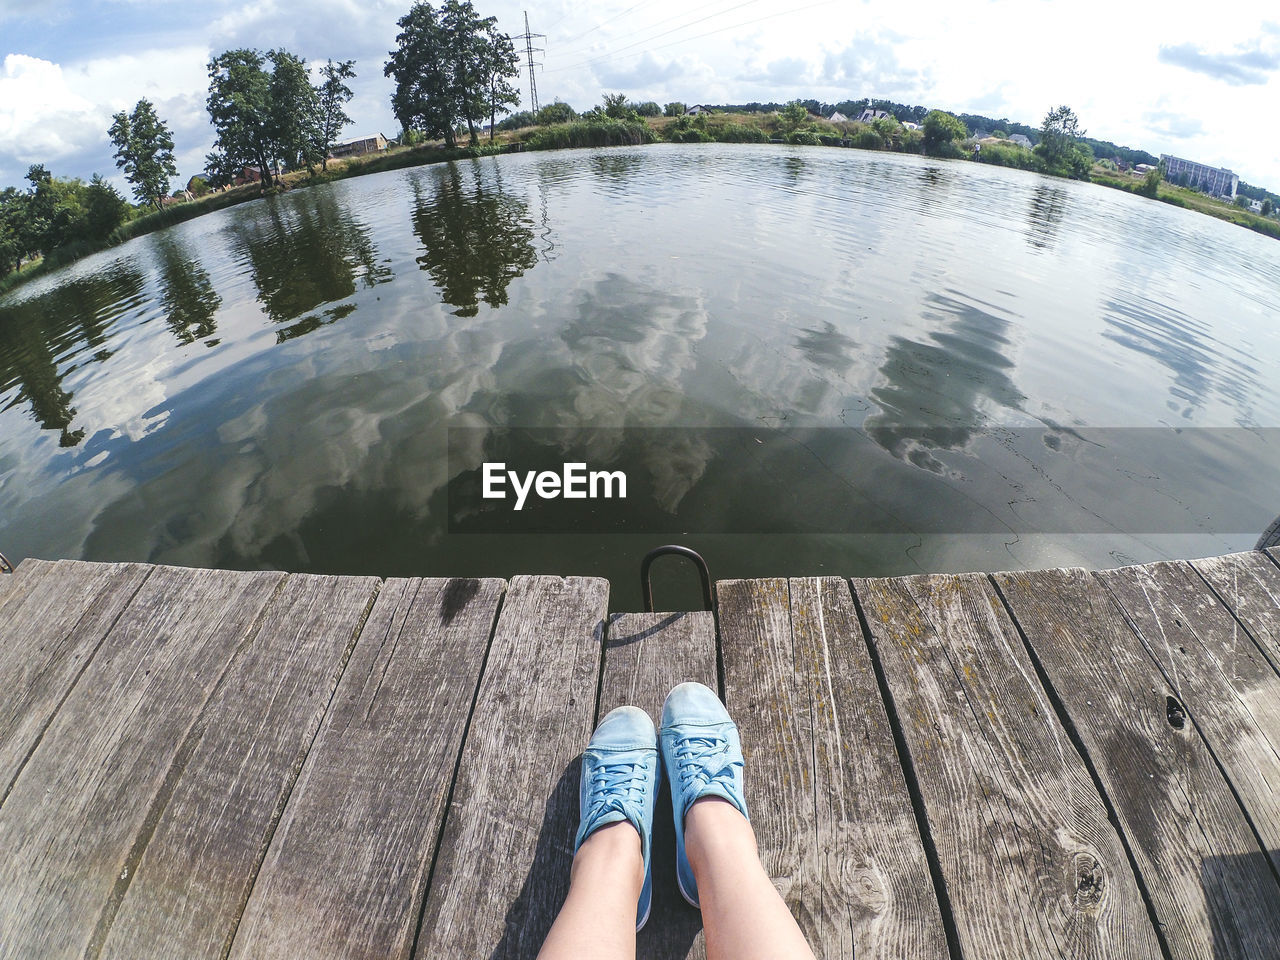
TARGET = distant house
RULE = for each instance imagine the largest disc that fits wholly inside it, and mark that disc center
(870, 115)
(837, 117)
(1021, 140)
(1143, 168)
(1255, 206)
(908, 125)
(696, 109)
(361, 145)
(248, 174)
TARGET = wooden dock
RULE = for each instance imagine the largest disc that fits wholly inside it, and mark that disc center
(211, 764)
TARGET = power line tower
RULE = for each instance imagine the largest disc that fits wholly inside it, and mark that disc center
(530, 50)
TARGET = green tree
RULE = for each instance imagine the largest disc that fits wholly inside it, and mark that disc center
(239, 106)
(39, 211)
(501, 66)
(888, 129)
(439, 66)
(674, 109)
(333, 96)
(1267, 207)
(648, 109)
(105, 209)
(1151, 183)
(940, 129)
(294, 113)
(13, 215)
(615, 106)
(792, 115)
(469, 56)
(144, 150)
(1059, 147)
(558, 112)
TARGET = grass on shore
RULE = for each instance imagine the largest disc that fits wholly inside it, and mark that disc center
(1190, 200)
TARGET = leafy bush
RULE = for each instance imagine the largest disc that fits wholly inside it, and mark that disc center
(616, 106)
(804, 138)
(198, 187)
(941, 129)
(868, 139)
(594, 132)
(647, 109)
(739, 133)
(688, 129)
(689, 136)
(517, 121)
(1151, 184)
(674, 109)
(1008, 155)
(558, 112)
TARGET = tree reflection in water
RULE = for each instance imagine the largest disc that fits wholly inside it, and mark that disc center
(938, 395)
(1044, 216)
(305, 251)
(37, 332)
(826, 347)
(475, 237)
(186, 293)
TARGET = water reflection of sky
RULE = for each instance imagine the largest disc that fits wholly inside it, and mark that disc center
(272, 385)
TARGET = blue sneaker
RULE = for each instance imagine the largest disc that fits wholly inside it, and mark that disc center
(620, 782)
(703, 758)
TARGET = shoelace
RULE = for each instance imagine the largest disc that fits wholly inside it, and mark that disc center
(705, 760)
(614, 785)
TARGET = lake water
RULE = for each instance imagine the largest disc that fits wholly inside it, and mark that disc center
(806, 361)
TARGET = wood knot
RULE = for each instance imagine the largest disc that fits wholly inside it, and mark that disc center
(1175, 713)
(1090, 880)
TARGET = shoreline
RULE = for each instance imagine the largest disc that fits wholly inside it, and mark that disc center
(398, 158)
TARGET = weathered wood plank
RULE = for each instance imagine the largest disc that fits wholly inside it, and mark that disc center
(503, 866)
(26, 571)
(348, 866)
(646, 654)
(1249, 584)
(1032, 867)
(1176, 810)
(58, 614)
(194, 875)
(1218, 676)
(824, 786)
(112, 753)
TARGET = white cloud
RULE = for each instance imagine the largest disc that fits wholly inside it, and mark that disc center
(41, 116)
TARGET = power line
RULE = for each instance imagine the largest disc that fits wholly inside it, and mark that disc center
(678, 27)
(673, 43)
(528, 39)
(603, 23)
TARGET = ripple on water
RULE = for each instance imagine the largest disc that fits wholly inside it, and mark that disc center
(274, 380)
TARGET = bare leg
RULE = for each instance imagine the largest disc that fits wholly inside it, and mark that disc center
(742, 914)
(598, 919)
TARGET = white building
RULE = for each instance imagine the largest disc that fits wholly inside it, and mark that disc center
(1216, 181)
(868, 115)
(837, 117)
(1021, 140)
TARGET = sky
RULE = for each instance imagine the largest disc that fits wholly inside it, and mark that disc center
(1163, 77)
